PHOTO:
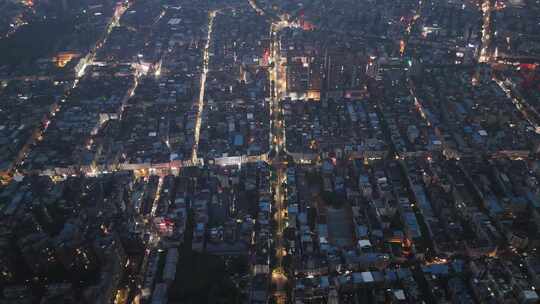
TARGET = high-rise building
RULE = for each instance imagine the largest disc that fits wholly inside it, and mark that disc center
(304, 77)
(343, 70)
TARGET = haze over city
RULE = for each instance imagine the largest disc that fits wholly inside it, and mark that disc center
(269, 151)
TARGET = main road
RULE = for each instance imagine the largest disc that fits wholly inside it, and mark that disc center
(80, 72)
(277, 144)
(202, 90)
(485, 51)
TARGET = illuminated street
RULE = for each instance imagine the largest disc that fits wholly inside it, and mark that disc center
(202, 90)
(80, 72)
(485, 47)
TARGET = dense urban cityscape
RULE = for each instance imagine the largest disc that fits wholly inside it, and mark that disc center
(269, 151)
